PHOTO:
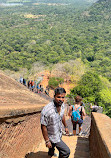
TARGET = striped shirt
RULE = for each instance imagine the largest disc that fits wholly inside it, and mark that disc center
(53, 121)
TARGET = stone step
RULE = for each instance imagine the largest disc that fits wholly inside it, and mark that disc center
(78, 146)
(81, 154)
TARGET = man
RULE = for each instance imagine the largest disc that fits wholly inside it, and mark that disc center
(52, 117)
(95, 108)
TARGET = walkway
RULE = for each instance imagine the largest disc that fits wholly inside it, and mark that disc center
(45, 96)
(79, 146)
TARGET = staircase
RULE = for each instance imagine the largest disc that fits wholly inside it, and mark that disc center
(82, 148)
(79, 146)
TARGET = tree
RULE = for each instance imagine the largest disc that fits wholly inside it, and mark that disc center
(55, 81)
(89, 87)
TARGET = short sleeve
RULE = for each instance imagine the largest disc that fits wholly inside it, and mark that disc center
(43, 120)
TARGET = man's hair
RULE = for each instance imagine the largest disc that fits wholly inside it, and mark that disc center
(59, 90)
(78, 99)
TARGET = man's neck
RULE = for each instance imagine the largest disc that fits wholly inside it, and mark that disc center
(57, 107)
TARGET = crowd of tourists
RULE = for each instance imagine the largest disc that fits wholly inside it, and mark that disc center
(34, 86)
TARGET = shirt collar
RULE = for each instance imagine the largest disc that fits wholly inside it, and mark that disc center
(55, 106)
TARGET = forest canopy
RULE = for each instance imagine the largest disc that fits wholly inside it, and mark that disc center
(59, 32)
(94, 88)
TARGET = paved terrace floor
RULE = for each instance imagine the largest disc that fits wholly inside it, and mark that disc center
(79, 145)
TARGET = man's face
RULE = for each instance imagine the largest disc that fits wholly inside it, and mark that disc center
(59, 99)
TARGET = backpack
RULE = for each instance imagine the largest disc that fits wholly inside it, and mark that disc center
(76, 114)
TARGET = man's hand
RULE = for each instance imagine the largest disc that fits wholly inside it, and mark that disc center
(48, 144)
(65, 125)
(67, 131)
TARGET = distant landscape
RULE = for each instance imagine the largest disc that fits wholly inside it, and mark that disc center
(65, 36)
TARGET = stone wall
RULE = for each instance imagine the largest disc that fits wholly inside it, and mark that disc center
(20, 134)
(100, 136)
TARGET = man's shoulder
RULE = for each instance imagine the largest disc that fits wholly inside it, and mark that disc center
(49, 104)
(48, 107)
(94, 106)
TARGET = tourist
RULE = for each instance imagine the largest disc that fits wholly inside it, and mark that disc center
(95, 107)
(52, 117)
(77, 112)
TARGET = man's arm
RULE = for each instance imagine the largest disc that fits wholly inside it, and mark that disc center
(44, 132)
(65, 125)
(45, 135)
(70, 111)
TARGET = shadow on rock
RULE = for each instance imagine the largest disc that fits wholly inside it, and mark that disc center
(39, 154)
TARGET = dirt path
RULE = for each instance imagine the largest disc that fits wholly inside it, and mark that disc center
(45, 80)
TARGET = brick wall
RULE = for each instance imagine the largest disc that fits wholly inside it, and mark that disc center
(100, 136)
(20, 135)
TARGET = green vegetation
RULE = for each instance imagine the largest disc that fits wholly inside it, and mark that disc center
(44, 36)
(55, 81)
(93, 89)
(89, 87)
(57, 33)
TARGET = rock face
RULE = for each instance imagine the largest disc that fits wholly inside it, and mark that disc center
(14, 93)
(20, 129)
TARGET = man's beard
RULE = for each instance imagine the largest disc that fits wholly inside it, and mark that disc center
(57, 104)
